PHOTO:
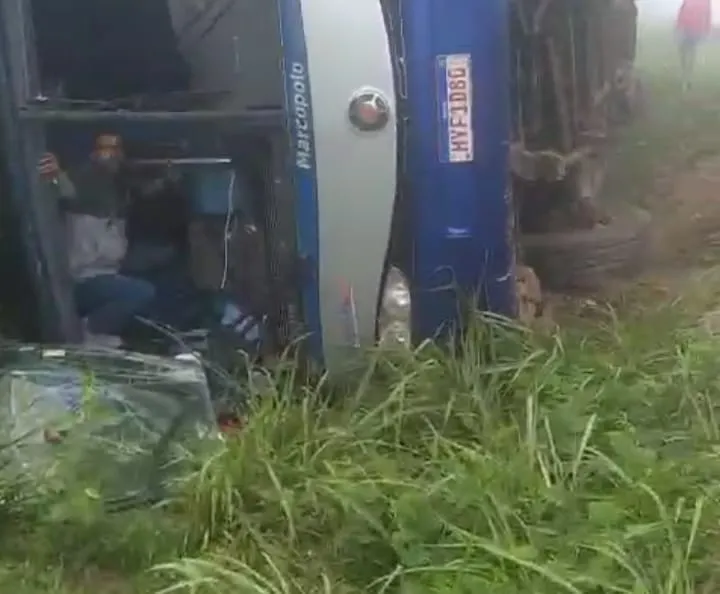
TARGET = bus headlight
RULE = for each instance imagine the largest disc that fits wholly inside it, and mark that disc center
(395, 310)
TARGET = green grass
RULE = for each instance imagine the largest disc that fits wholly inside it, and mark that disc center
(578, 465)
(582, 462)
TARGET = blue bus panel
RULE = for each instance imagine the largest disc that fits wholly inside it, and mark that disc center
(457, 158)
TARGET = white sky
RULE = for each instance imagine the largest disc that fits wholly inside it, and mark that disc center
(661, 9)
(667, 9)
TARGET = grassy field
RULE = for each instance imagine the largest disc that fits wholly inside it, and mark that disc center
(583, 462)
(587, 461)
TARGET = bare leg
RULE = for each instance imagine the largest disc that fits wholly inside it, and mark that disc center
(688, 53)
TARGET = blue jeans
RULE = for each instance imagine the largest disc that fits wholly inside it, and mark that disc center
(688, 43)
(109, 302)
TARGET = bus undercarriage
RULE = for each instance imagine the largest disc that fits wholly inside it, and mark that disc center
(573, 82)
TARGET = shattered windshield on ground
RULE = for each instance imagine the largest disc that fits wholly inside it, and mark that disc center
(118, 421)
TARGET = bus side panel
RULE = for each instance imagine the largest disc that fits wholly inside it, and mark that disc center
(457, 81)
(299, 110)
(354, 171)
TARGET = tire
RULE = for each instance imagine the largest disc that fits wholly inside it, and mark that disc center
(584, 260)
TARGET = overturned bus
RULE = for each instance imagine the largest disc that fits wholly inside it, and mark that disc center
(339, 168)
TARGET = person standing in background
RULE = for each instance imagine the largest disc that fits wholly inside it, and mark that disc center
(693, 25)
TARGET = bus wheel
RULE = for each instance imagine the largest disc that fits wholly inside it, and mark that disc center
(585, 259)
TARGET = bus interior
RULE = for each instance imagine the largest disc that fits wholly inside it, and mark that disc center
(195, 91)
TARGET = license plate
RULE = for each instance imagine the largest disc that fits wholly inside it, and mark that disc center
(455, 97)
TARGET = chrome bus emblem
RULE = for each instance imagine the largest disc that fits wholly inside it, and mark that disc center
(369, 111)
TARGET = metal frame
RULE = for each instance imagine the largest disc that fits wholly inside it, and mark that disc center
(22, 66)
(246, 120)
(57, 319)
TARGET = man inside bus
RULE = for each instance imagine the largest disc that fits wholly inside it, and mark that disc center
(94, 206)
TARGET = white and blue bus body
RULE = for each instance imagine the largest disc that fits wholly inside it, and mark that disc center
(391, 195)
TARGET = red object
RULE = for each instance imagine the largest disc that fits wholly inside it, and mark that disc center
(230, 423)
(695, 17)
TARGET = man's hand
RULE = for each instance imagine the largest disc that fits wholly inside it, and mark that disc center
(171, 177)
(48, 167)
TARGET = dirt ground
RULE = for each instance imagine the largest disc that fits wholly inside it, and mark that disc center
(686, 223)
(668, 164)
(684, 242)
(683, 255)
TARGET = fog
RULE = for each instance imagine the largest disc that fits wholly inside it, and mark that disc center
(658, 10)
(652, 11)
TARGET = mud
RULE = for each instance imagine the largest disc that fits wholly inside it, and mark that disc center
(685, 232)
(683, 255)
